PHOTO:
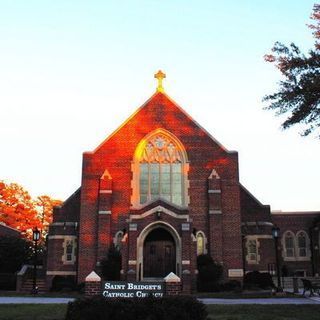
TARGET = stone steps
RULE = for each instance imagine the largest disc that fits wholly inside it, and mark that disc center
(28, 286)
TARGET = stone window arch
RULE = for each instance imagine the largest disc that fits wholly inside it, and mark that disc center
(288, 242)
(160, 170)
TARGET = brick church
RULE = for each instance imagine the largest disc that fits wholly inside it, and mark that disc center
(163, 191)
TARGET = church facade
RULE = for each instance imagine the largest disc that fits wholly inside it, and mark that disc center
(162, 190)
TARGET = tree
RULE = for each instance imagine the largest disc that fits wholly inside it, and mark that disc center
(44, 206)
(14, 252)
(299, 93)
(18, 210)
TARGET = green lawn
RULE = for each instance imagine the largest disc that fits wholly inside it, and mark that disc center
(264, 312)
(216, 312)
(32, 311)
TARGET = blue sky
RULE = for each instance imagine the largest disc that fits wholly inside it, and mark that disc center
(73, 71)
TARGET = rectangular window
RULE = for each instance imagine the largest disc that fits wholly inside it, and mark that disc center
(69, 248)
(252, 251)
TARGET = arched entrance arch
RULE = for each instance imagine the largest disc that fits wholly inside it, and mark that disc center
(164, 243)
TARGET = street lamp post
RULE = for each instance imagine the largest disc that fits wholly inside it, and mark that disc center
(275, 235)
(35, 237)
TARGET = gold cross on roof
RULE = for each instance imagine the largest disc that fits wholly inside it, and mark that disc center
(160, 76)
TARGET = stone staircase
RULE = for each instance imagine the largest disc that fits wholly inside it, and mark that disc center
(28, 285)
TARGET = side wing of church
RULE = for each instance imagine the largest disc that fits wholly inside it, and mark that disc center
(162, 191)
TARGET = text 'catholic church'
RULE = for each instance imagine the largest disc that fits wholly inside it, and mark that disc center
(163, 190)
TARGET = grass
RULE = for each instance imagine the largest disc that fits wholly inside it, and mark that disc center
(216, 312)
(264, 312)
(32, 311)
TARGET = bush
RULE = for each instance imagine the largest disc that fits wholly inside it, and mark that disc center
(167, 308)
(255, 279)
(232, 285)
(111, 265)
(210, 273)
(64, 283)
(7, 281)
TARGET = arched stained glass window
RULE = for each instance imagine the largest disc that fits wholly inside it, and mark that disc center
(160, 167)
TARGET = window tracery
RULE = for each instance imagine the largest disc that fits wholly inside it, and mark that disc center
(160, 170)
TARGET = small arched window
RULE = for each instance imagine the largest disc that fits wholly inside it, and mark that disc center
(117, 240)
(289, 246)
(200, 243)
(302, 244)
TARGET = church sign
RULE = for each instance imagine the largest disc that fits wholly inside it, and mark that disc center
(123, 289)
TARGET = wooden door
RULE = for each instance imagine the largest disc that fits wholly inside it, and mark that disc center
(159, 255)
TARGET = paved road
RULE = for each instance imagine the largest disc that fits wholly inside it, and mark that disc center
(313, 300)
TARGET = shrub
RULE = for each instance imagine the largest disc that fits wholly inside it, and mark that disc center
(232, 285)
(167, 308)
(210, 273)
(256, 279)
(111, 265)
(7, 281)
(64, 283)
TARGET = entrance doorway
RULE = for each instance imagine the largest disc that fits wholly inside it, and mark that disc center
(159, 254)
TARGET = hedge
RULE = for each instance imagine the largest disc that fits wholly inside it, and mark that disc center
(167, 308)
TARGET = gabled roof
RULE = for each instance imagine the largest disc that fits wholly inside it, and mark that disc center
(164, 100)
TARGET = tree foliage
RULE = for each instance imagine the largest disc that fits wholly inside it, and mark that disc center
(14, 252)
(18, 210)
(299, 92)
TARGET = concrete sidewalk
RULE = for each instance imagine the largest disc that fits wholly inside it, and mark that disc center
(263, 301)
(34, 300)
(37, 300)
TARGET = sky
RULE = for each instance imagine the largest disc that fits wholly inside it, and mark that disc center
(72, 71)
